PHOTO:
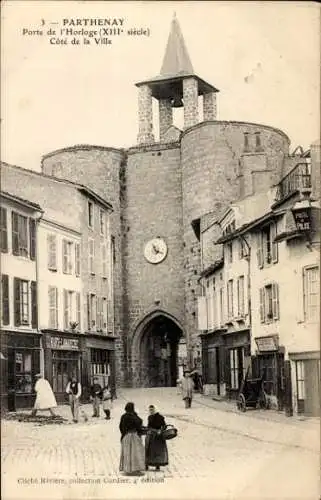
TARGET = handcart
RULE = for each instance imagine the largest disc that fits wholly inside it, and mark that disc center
(252, 394)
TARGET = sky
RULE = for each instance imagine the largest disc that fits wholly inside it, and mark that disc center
(264, 57)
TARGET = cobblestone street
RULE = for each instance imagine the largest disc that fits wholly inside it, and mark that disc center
(219, 453)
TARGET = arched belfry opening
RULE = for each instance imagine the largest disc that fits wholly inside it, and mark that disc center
(156, 346)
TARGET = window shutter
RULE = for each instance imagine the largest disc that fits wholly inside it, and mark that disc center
(66, 310)
(275, 301)
(52, 251)
(274, 244)
(91, 256)
(202, 313)
(5, 300)
(15, 234)
(53, 306)
(4, 230)
(64, 257)
(259, 251)
(34, 305)
(262, 305)
(17, 315)
(104, 259)
(88, 312)
(109, 316)
(32, 238)
(94, 312)
(77, 259)
(98, 313)
(78, 311)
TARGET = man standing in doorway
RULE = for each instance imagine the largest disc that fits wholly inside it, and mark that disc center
(96, 395)
(73, 389)
(187, 389)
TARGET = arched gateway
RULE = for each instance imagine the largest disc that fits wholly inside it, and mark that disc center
(155, 350)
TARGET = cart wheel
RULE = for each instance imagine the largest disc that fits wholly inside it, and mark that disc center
(241, 403)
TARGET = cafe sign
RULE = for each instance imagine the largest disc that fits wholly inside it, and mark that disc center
(63, 343)
(267, 344)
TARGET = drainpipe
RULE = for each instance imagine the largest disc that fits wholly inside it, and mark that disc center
(39, 217)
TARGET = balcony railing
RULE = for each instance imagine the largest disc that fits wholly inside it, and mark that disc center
(297, 179)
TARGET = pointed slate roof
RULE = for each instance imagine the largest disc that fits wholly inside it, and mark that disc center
(176, 59)
(176, 66)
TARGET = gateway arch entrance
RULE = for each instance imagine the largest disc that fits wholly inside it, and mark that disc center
(158, 352)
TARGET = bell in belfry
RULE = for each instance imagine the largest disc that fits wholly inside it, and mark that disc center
(177, 101)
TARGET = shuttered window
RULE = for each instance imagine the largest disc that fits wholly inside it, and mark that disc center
(3, 230)
(269, 303)
(104, 314)
(67, 257)
(91, 311)
(240, 296)
(230, 308)
(53, 306)
(104, 259)
(19, 235)
(52, 251)
(5, 311)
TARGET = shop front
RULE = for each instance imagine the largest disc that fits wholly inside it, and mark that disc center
(63, 359)
(22, 363)
(99, 361)
(213, 363)
(237, 358)
(269, 363)
(306, 383)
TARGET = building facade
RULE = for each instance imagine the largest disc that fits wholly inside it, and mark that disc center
(276, 237)
(164, 190)
(20, 339)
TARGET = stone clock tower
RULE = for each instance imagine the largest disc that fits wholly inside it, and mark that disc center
(154, 259)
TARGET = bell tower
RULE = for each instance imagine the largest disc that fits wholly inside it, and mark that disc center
(176, 86)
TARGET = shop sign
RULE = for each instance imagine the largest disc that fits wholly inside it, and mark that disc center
(64, 343)
(302, 219)
(267, 343)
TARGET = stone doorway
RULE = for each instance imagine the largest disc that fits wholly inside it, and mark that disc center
(158, 352)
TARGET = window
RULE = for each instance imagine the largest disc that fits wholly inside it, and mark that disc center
(68, 309)
(5, 312)
(91, 309)
(32, 237)
(230, 312)
(104, 260)
(100, 362)
(21, 295)
(66, 257)
(19, 235)
(269, 303)
(23, 382)
(77, 259)
(53, 306)
(258, 145)
(311, 293)
(52, 251)
(300, 379)
(267, 248)
(90, 208)
(91, 256)
(241, 249)
(246, 142)
(240, 296)
(229, 250)
(237, 367)
(3, 230)
(102, 222)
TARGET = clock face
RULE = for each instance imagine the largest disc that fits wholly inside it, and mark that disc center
(155, 250)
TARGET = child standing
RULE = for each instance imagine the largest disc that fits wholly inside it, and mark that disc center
(96, 393)
(107, 401)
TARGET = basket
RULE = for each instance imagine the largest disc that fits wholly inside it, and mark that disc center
(170, 432)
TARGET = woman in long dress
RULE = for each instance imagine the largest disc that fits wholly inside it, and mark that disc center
(132, 456)
(45, 399)
(156, 453)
